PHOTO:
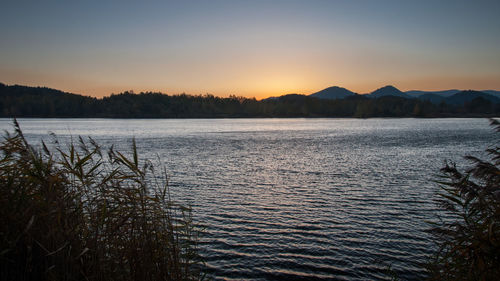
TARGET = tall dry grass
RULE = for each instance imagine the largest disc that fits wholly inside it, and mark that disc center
(468, 240)
(76, 212)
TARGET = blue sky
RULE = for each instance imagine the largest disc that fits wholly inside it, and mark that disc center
(249, 48)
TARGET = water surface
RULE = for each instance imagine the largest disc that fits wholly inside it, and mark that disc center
(287, 199)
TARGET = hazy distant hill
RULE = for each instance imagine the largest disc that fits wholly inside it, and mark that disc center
(467, 96)
(332, 93)
(19, 90)
(336, 92)
(492, 92)
(459, 98)
(387, 91)
(22, 101)
(26, 101)
(445, 93)
(433, 98)
(292, 97)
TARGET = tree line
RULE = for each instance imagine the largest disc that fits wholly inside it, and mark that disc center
(22, 101)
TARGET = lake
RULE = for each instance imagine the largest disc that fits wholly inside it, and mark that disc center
(288, 199)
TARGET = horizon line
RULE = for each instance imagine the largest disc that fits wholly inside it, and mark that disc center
(133, 91)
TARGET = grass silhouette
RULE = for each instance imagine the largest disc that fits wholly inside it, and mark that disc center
(468, 239)
(79, 213)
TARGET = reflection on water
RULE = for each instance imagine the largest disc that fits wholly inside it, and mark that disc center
(333, 199)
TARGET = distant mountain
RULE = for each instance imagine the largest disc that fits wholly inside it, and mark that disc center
(292, 97)
(433, 98)
(445, 93)
(467, 96)
(333, 93)
(388, 91)
(271, 98)
(458, 98)
(492, 92)
(23, 101)
(19, 90)
(336, 92)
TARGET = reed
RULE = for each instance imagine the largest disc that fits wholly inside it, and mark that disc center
(76, 212)
(468, 237)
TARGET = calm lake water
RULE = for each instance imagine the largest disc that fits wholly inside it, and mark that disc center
(287, 199)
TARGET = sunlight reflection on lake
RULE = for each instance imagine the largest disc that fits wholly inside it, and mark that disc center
(298, 198)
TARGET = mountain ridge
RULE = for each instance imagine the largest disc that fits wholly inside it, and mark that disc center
(333, 92)
(390, 90)
(43, 102)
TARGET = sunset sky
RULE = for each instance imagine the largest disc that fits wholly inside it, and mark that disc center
(249, 48)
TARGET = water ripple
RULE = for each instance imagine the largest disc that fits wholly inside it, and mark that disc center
(299, 199)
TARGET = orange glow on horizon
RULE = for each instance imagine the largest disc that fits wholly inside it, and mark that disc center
(257, 85)
(250, 49)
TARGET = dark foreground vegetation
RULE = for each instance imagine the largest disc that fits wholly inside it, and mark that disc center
(22, 101)
(469, 242)
(79, 213)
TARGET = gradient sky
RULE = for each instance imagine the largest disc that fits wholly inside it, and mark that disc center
(249, 48)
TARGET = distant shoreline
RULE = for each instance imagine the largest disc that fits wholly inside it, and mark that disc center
(37, 102)
(221, 118)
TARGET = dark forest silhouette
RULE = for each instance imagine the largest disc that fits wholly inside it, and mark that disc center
(23, 101)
